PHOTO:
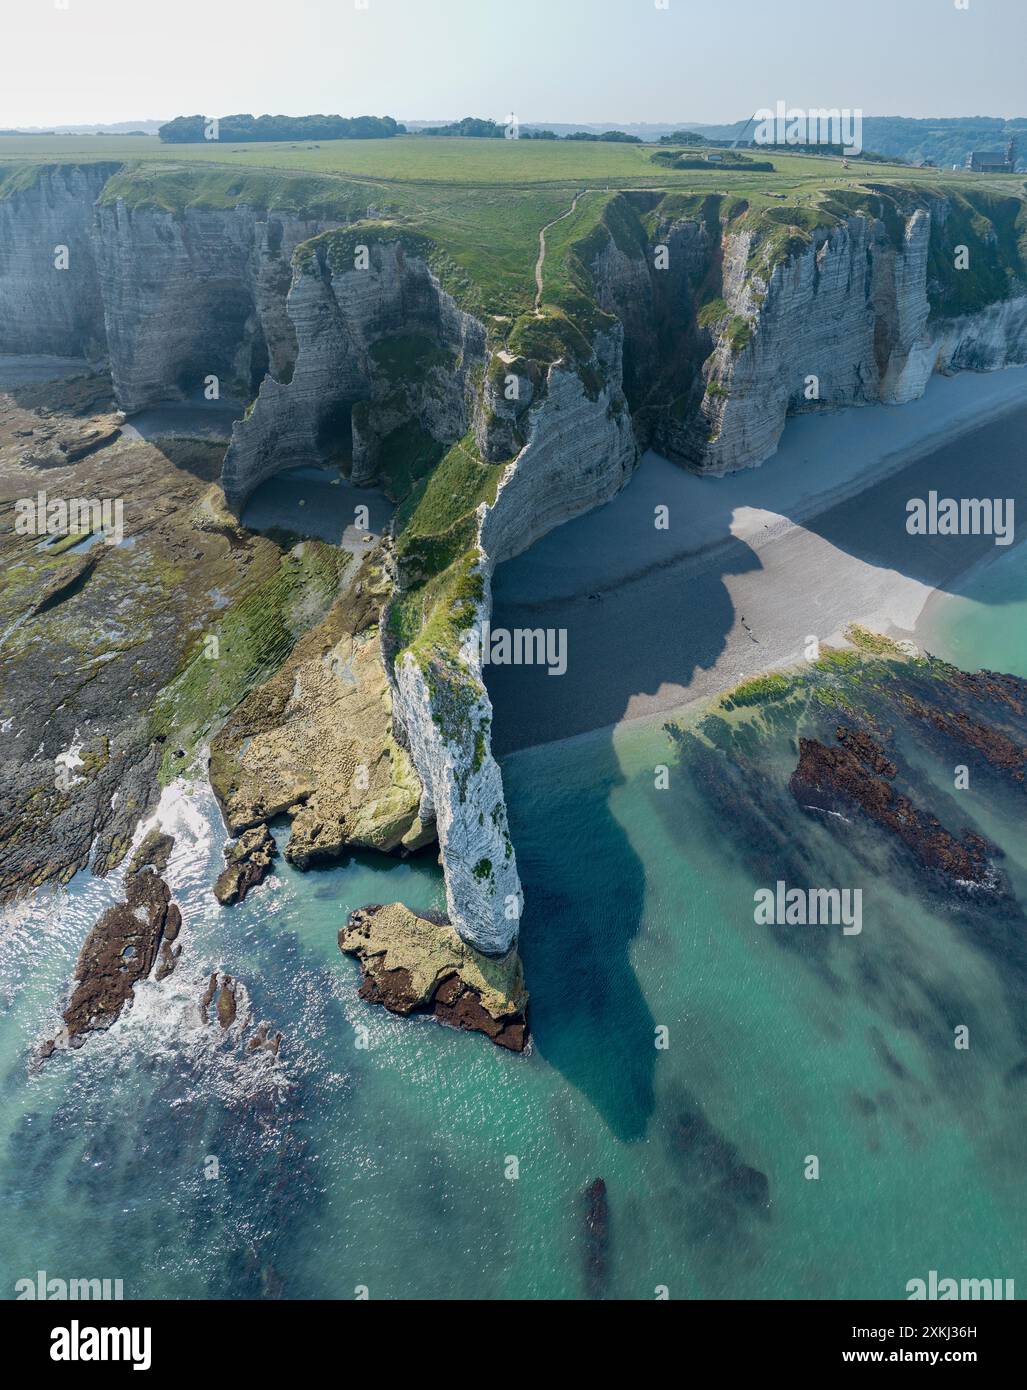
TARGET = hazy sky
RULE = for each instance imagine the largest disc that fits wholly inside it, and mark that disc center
(81, 61)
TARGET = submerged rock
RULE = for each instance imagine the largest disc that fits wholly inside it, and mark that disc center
(858, 773)
(413, 965)
(225, 1002)
(249, 863)
(597, 1230)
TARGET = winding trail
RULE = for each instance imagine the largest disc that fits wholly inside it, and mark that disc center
(542, 245)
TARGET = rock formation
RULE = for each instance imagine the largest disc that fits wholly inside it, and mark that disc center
(415, 965)
(43, 308)
(249, 863)
(121, 949)
(858, 774)
(315, 741)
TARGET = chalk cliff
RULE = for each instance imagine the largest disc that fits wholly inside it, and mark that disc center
(846, 319)
(51, 302)
(380, 370)
(193, 295)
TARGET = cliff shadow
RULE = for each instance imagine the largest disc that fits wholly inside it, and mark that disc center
(989, 461)
(584, 883)
(584, 897)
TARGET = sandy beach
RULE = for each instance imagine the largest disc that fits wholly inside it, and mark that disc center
(754, 565)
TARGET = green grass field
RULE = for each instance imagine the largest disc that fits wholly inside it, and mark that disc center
(485, 201)
(413, 159)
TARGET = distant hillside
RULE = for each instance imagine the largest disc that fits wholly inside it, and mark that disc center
(945, 141)
(187, 130)
(117, 128)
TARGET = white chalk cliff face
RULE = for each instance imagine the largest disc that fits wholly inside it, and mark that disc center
(49, 303)
(846, 322)
(193, 295)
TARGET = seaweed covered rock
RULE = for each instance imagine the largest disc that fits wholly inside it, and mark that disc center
(858, 773)
(121, 949)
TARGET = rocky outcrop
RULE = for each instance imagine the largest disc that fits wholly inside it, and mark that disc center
(51, 299)
(415, 965)
(386, 352)
(597, 1239)
(580, 452)
(121, 949)
(250, 861)
(315, 742)
(858, 774)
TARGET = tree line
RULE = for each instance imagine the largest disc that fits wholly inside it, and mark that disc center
(187, 130)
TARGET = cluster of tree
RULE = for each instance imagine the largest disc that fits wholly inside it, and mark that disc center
(612, 136)
(682, 137)
(187, 130)
(472, 126)
(493, 130)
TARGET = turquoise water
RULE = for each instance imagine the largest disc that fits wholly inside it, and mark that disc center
(392, 1167)
(985, 622)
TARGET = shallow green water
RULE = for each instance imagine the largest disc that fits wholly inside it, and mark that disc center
(985, 622)
(392, 1167)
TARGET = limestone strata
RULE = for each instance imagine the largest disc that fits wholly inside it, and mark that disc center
(343, 403)
(580, 452)
(195, 294)
(846, 321)
(44, 309)
(414, 965)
